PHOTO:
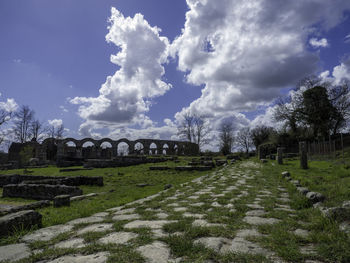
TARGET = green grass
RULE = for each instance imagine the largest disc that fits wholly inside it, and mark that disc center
(120, 187)
(330, 178)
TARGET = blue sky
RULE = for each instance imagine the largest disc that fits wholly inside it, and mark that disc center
(54, 57)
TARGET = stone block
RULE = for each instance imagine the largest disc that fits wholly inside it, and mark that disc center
(160, 168)
(315, 197)
(39, 191)
(285, 174)
(337, 213)
(296, 183)
(303, 190)
(23, 219)
(61, 200)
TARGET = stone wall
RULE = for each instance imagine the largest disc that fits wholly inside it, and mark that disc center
(39, 179)
(39, 191)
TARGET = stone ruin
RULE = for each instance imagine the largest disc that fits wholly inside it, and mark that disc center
(44, 187)
(70, 151)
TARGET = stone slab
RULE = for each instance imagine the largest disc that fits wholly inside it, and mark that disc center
(95, 228)
(255, 220)
(46, 234)
(118, 238)
(100, 257)
(155, 224)
(157, 252)
(14, 252)
(71, 243)
(126, 217)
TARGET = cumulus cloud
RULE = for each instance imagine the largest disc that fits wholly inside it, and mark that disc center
(339, 74)
(126, 96)
(347, 39)
(318, 42)
(55, 122)
(244, 51)
(9, 105)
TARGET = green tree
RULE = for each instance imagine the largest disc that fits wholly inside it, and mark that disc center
(260, 134)
(318, 110)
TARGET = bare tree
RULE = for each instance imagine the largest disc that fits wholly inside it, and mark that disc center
(5, 116)
(243, 139)
(185, 129)
(194, 129)
(37, 130)
(226, 137)
(22, 120)
(340, 99)
(56, 132)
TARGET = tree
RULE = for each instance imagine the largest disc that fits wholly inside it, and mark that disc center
(194, 129)
(260, 134)
(22, 120)
(318, 111)
(5, 116)
(243, 139)
(226, 137)
(37, 130)
(56, 132)
(340, 99)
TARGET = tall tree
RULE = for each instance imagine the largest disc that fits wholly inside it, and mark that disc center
(194, 128)
(37, 130)
(340, 98)
(56, 131)
(22, 120)
(243, 139)
(318, 111)
(260, 134)
(5, 116)
(226, 137)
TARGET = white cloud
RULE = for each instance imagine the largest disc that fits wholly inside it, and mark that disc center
(10, 105)
(126, 96)
(55, 122)
(253, 51)
(342, 72)
(63, 108)
(347, 39)
(318, 42)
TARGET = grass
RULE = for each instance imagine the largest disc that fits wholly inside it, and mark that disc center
(120, 187)
(331, 178)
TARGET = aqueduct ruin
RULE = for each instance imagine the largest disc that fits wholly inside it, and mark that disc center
(57, 149)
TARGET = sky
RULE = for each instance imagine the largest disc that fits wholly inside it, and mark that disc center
(133, 68)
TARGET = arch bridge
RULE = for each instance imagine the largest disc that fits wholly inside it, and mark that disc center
(107, 148)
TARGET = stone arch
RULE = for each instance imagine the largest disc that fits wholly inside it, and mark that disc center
(106, 150)
(153, 148)
(139, 147)
(88, 149)
(49, 149)
(123, 148)
(165, 149)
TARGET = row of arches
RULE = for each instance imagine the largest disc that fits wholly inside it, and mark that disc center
(106, 148)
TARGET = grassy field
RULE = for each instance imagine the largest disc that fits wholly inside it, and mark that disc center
(120, 187)
(331, 178)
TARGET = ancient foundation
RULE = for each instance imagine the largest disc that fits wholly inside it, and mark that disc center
(39, 191)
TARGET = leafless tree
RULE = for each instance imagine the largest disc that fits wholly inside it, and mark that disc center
(56, 132)
(5, 116)
(243, 139)
(22, 120)
(340, 98)
(37, 130)
(226, 137)
(194, 129)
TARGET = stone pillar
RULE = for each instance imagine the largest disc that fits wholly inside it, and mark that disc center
(280, 155)
(78, 152)
(261, 154)
(303, 155)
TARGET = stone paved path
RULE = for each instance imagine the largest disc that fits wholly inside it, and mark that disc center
(230, 211)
